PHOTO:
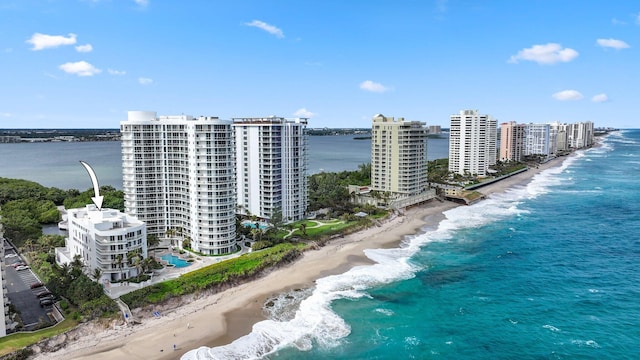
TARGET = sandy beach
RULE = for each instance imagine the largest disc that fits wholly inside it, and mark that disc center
(222, 317)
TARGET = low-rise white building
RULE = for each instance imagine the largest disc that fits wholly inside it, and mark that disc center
(104, 239)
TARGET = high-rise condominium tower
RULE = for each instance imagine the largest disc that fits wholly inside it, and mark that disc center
(398, 156)
(472, 143)
(179, 176)
(511, 141)
(538, 140)
(271, 158)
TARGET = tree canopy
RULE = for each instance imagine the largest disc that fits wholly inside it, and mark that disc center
(329, 189)
(113, 199)
(16, 189)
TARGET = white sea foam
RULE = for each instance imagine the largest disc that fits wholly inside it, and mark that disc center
(412, 340)
(314, 321)
(586, 343)
(386, 312)
(551, 327)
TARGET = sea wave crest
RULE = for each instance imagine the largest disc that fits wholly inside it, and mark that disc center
(314, 323)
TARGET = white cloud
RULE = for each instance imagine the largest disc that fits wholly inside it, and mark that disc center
(143, 3)
(638, 19)
(369, 85)
(567, 95)
(441, 5)
(145, 81)
(84, 48)
(303, 112)
(612, 43)
(6, 114)
(44, 41)
(8, 50)
(600, 98)
(266, 27)
(550, 53)
(615, 21)
(80, 68)
(116, 72)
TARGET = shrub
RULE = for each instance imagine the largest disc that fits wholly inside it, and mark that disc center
(259, 245)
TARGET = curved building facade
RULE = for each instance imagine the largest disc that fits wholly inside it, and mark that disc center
(179, 178)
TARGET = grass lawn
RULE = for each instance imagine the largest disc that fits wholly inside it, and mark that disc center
(331, 227)
(13, 342)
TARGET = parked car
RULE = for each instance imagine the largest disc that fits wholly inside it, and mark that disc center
(47, 298)
(37, 285)
(44, 294)
(46, 302)
(19, 263)
(12, 255)
(22, 267)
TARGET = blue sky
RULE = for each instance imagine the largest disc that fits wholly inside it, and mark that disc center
(85, 63)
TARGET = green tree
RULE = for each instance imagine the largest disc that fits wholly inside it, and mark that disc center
(152, 241)
(96, 274)
(113, 199)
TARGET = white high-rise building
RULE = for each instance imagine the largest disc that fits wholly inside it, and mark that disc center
(580, 134)
(179, 175)
(104, 239)
(271, 158)
(472, 143)
(398, 156)
(537, 140)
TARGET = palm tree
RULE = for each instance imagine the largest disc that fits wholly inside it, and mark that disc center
(152, 241)
(186, 243)
(303, 229)
(137, 262)
(119, 261)
(96, 274)
(170, 234)
(76, 266)
(256, 233)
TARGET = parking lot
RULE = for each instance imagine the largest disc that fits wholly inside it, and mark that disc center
(20, 293)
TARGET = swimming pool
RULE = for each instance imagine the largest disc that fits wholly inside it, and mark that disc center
(252, 224)
(175, 261)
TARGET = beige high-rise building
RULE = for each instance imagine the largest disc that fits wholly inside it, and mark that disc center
(511, 141)
(472, 143)
(398, 156)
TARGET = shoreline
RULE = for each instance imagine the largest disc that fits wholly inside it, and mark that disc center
(218, 319)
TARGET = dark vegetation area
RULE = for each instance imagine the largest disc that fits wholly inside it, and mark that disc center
(26, 205)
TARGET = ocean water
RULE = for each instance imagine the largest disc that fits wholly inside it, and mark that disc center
(546, 270)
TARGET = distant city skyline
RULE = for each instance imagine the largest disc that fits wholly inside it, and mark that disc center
(85, 63)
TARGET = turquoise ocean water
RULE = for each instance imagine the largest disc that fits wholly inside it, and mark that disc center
(547, 270)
